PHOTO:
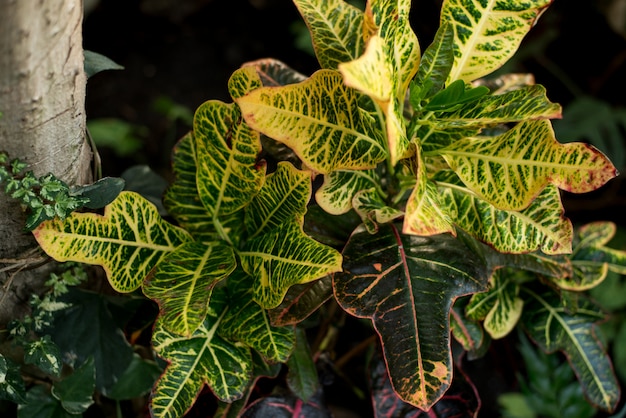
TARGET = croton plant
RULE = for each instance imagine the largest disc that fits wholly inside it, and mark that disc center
(407, 186)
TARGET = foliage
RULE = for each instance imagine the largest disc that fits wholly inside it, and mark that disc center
(438, 211)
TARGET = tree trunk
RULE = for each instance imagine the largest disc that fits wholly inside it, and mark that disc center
(42, 101)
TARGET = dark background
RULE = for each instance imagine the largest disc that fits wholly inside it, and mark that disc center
(185, 51)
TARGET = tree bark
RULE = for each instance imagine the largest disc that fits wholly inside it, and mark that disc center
(42, 101)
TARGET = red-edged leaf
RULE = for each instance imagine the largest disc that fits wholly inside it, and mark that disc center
(406, 285)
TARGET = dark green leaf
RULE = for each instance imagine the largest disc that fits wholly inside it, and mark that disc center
(288, 406)
(302, 377)
(41, 404)
(94, 63)
(301, 301)
(100, 193)
(136, 381)
(11, 382)
(76, 391)
(44, 354)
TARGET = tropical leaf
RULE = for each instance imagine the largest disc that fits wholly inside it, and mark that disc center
(203, 358)
(406, 285)
(283, 198)
(301, 301)
(183, 281)
(319, 119)
(541, 225)
(273, 72)
(248, 323)
(283, 257)
(181, 198)
(339, 187)
(487, 34)
(228, 174)
(553, 327)
(499, 308)
(590, 247)
(127, 241)
(373, 210)
(302, 377)
(511, 169)
(467, 332)
(336, 30)
(243, 81)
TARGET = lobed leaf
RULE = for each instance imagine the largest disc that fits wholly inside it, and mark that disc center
(203, 358)
(487, 34)
(183, 281)
(319, 119)
(553, 327)
(127, 241)
(406, 285)
(511, 169)
(336, 30)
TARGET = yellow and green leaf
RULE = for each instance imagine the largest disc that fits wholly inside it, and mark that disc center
(487, 34)
(182, 283)
(540, 226)
(339, 187)
(511, 169)
(243, 81)
(336, 30)
(373, 210)
(228, 175)
(273, 72)
(127, 241)
(248, 323)
(202, 359)
(319, 119)
(283, 257)
(282, 199)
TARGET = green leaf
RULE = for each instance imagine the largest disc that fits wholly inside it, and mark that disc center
(203, 358)
(319, 119)
(467, 332)
(454, 95)
(553, 328)
(301, 301)
(183, 281)
(590, 247)
(487, 34)
(76, 391)
(44, 354)
(40, 404)
(127, 241)
(542, 225)
(11, 381)
(228, 175)
(511, 169)
(95, 63)
(373, 210)
(181, 198)
(283, 257)
(100, 193)
(406, 285)
(124, 138)
(248, 323)
(136, 381)
(336, 30)
(243, 81)
(302, 377)
(339, 187)
(283, 198)
(273, 72)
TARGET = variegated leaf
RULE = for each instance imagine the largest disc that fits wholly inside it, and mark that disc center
(183, 281)
(406, 285)
(243, 81)
(319, 119)
(339, 187)
(273, 72)
(336, 30)
(283, 198)
(591, 247)
(283, 257)
(467, 332)
(433, 137)
(181, 197)
(127, 241)
(487, 34)
(373, 210)
(500, 308)
(228, 174)
(511, 169)
(301, 301)
(246, 322)
(554, 327)
(540, 226)
(203, 358)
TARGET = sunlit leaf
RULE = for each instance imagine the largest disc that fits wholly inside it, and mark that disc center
(283, 257)
(406, 285)
(319, 119)
(243, 81)
(487, 34)
(339, 187)
(336, 30)
(182, 283)
(248, 323)
(127, 241)
(553, 327)
(203, 358)
(511, 169)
